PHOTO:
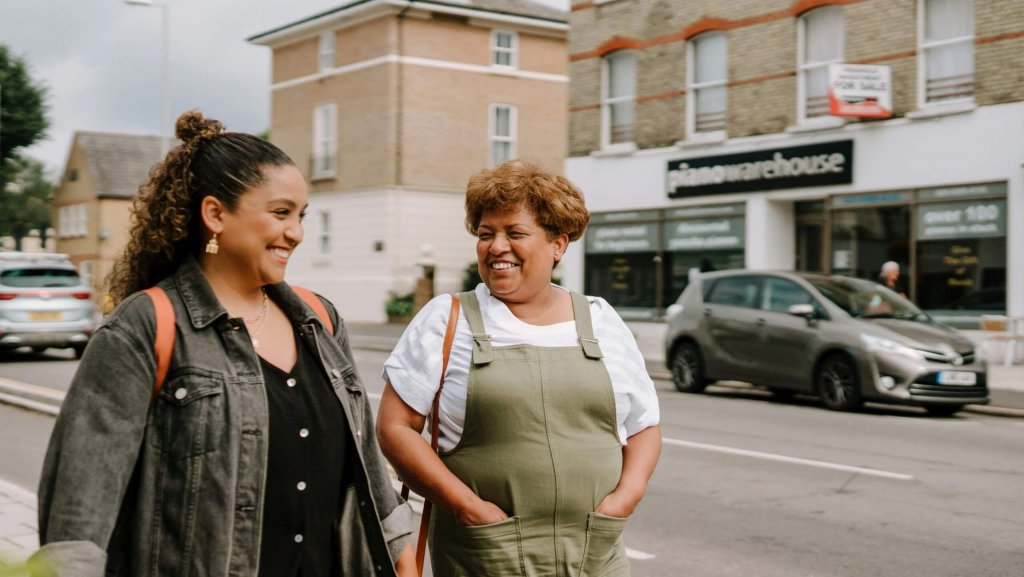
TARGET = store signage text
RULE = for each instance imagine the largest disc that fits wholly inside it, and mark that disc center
(695, 235)
(622, 238)
(798, 166)
(961, 220)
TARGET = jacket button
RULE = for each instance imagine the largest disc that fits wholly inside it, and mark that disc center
(290, 382)
(298, 538)
(301, 486)
(181, 393)
(303, 433)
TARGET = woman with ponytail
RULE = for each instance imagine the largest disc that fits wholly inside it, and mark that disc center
(257, 455)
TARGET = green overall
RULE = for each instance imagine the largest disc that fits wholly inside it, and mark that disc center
(539, 441)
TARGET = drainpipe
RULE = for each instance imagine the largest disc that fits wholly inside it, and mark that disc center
(399, 94)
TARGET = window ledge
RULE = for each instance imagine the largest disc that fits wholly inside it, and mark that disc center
(319, 177)
(703, 139)
(621, 149)
(503, 70)
(942, 109)
(322, 261)
(818, 123)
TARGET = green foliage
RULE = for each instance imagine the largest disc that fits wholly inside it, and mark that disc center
(22, 109)
(471, 277)
(25, 202)
(399, 305)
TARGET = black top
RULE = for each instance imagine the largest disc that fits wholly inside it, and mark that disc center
(305, 471)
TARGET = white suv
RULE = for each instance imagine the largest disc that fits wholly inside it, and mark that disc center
(43, 303)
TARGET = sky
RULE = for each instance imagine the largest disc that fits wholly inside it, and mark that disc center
(100, 61)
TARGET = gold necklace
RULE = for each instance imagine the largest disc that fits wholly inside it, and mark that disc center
(261, 319)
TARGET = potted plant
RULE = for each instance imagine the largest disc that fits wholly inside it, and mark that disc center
(399, 307)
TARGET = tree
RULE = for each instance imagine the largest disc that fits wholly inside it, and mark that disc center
(22, 110)
(25, 201)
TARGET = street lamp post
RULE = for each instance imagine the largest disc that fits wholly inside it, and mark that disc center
(165, 50)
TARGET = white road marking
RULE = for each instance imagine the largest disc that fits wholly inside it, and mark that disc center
(639, 555)
(791, 460)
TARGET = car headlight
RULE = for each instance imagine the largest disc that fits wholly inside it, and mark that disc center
(880, 344)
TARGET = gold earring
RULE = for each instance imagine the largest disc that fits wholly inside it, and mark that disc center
(212, 247)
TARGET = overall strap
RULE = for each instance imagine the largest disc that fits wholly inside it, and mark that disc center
(163, 343)
(584, 326)
(482, 353)
(318, 307)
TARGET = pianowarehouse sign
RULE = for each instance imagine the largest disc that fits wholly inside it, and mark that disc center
(792, 167)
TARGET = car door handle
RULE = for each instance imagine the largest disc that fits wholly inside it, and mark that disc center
(760, 322)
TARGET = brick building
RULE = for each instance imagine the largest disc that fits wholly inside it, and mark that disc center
(389, 107)
(702, 134)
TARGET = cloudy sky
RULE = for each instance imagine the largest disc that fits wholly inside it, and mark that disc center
(100, 60)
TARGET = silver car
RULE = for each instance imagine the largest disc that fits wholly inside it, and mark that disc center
(844, 339)
(43, 303)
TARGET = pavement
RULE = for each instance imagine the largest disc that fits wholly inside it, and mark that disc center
(18, 538)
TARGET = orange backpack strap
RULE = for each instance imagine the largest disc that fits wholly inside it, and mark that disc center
(317, 305)
(163, 344)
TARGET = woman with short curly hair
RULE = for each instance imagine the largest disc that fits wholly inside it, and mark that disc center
(256, 456)
(548, 420)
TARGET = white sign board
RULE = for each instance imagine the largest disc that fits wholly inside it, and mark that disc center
(860, 90)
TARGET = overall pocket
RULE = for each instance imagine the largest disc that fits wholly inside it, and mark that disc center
(183, 416)
(603, 553)
(495, 549)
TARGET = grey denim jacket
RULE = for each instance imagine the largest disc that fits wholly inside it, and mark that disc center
(175, 487)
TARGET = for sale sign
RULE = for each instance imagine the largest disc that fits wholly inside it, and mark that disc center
(860, 90)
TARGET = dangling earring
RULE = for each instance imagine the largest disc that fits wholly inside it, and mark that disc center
(212, 247)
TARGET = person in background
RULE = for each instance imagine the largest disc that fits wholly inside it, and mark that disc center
(257, 456)
(890, 277)
(548, 419)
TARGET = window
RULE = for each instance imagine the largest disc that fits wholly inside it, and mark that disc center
(738, 291)
(326, 53)
(780, 294)
(504, 48)
(946, 65)
(707, 73)
(325, 145)
(325, 231)
(73, 220)
(502, 133)
(820, 43)
(618, 98)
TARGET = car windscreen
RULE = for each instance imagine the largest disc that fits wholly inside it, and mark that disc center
(866, 299)
(39, 278)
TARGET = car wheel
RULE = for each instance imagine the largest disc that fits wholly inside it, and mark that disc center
(688, 368)
(838, 384)
(79, 350)
(38, 349)
(942, 410)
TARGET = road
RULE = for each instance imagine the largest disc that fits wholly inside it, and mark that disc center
(753, 487)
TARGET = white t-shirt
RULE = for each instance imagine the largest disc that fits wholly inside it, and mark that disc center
(414, 367)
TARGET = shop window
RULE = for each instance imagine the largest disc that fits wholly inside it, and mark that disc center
(946, 54)
(618, 92)
(504, 48)
(864, 239)
(707, 74)
(325, 59)
(325, 141)
(503, 126)
(626, 280)
(820, 43)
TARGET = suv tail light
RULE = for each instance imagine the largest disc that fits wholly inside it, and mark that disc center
(82, 296)
(7, 296)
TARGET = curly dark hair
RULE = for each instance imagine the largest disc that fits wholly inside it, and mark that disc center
(165, 215)
(555, 203)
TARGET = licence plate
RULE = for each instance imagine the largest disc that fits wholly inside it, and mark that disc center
(957, 378)
(45, 316)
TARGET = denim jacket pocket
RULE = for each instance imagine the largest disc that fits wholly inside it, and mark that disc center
(183, 419)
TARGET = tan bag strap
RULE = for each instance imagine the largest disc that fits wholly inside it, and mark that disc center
(163, 343)
(318, 307)
(449, 336)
